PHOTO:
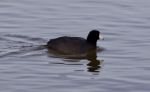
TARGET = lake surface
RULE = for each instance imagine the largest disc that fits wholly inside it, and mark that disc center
(123, 65)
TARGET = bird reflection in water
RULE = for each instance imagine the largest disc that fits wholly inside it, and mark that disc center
(94, 64)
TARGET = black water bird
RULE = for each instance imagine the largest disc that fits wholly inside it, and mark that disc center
(75, 45)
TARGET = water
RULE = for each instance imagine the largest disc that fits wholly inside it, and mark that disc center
(26, 25)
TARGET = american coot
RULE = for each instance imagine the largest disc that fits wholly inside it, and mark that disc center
(74, 45)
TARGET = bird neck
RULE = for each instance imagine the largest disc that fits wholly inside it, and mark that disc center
(93, 42)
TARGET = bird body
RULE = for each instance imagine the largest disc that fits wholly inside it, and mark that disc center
(70, 45)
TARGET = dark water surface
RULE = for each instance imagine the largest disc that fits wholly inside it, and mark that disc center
(26, 25)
